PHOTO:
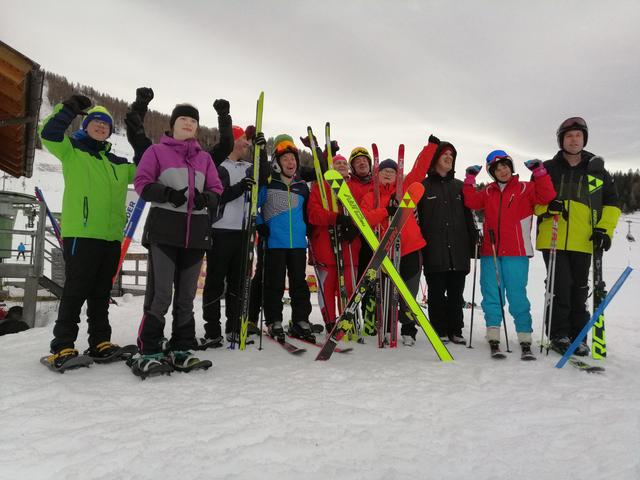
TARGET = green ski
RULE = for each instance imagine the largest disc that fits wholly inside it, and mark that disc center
(340, 187)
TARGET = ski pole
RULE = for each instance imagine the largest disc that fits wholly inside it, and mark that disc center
(495, 264)
(263, 252)
(473, 294)
(551, 285)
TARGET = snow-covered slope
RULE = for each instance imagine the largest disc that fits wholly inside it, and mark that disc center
(371, 414)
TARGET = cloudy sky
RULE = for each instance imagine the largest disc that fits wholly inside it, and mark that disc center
(481, 74)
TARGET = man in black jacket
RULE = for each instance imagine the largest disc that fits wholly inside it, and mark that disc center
(448, 228)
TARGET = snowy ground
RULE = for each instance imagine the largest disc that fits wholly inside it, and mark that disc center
(371, 414)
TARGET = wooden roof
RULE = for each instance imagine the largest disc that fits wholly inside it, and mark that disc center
(21, 83)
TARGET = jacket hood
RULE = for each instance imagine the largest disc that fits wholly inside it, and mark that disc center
(441, 148)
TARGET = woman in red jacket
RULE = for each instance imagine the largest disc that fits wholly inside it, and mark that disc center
(411, 239)
(323, 254)
(508, 213)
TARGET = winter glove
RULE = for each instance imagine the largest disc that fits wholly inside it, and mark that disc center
(391, 210)
(263, 230)
(334, 147)
(350, 233)
(434, 139)
(246, 184)
(177, 198)
(536, 167)
(222, 107)
(344, 220)
(600, 239)
(250, 132)
(144, 95)
(259, 140)
(78, 104)
(307, 143)
(472, 172)
(556, 207)
(203, 200)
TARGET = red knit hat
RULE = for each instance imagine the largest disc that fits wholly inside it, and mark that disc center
(237, 132)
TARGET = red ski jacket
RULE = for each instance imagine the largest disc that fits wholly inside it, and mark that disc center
(359, 188)
(509, 213)
(321, 219)
(411, 238)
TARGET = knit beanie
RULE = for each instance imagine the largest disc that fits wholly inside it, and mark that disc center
(184, 110)
(98, 113)
(388, 163)
(237, 132)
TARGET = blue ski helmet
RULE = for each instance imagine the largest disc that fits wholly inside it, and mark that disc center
(498, 156)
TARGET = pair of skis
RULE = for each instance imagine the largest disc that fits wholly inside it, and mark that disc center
(341, 189)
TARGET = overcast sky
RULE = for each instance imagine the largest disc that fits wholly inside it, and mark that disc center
(481, 74)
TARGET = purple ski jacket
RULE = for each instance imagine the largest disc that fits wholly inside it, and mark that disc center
(177, 164)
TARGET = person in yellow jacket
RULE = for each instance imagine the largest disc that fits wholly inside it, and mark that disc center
(587, 209)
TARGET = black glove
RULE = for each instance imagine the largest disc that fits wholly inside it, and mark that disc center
(177, 198)
(334, 147)
(350, 233)
(600, 239)
(250, 132)
(556, 207)
(260, 140)
(134, 123)
(434, 139)
(473, 170)
(263, 230)
(203, 200)
(144, 95)
(245, 184)
(391, 210)
(78, 104)
(343, 220)
(222, 107)
(307, 143)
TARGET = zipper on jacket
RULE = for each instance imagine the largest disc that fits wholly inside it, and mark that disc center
(290, 228)
(510, 200)
(566, 237)
(85, 211)
(499, 219)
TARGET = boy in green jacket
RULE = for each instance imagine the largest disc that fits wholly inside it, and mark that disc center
(93, 219)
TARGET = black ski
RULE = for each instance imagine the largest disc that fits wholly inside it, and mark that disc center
(288, 346)
(577, 362)
(319, 345)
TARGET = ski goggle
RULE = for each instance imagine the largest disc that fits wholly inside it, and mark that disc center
(573, 122)
(496, 156)
(284, 147)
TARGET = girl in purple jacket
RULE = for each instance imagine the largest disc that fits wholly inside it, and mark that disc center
(181, 182)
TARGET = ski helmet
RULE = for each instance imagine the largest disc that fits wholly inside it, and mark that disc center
(573, 123)
(494, 158)
(359, 152)
(283, 144)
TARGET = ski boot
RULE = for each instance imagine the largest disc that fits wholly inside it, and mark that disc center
(149, 365)
(106, 352)
(329, 327)
(184, 361)
(495, 349)
(205, 342)
(526, 353)
(582, 350)
(302, 330)
(276, 331)
(560, 344)
(457, 339)
(252, 328)
(408, 340)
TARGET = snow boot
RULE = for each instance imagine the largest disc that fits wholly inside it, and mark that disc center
(302, 330)
(206, 342)
(107, 352)
(457, 339)
(495, 349)
(252, 329)
(149, 365)
(185, 361)
(526, 353)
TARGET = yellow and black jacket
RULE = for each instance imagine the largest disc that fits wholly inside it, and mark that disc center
(590, 199)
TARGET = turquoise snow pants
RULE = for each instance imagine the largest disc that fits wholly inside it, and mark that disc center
(514, 273)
